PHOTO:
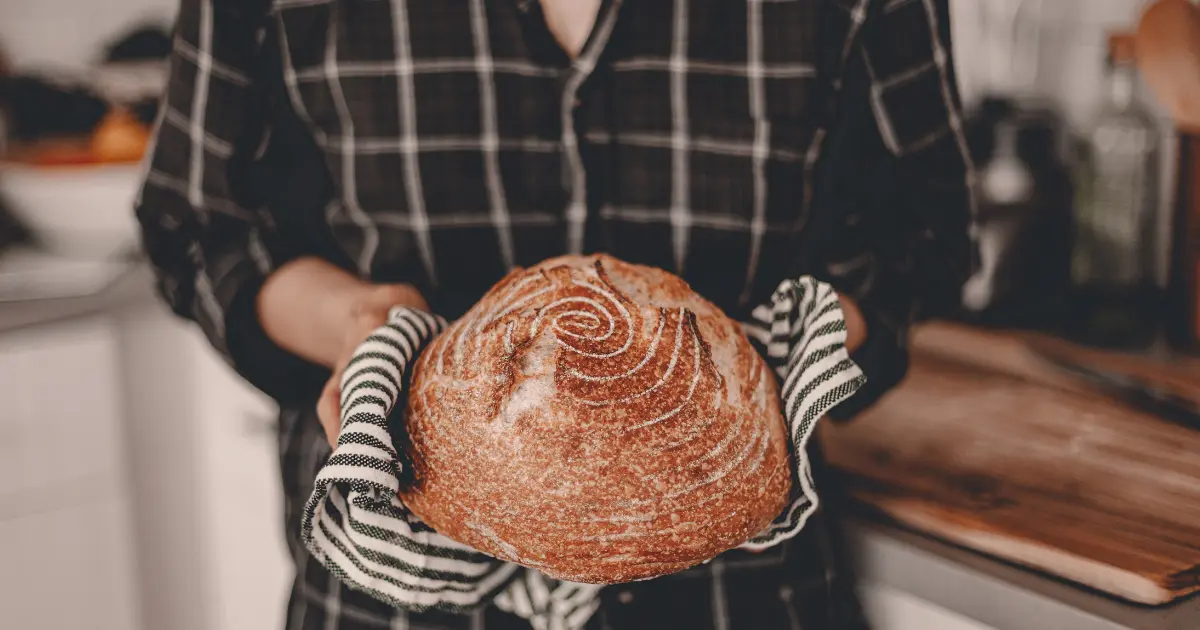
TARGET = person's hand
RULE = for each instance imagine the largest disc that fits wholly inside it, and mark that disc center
(321, 313)
(856, 324)
(367, 314)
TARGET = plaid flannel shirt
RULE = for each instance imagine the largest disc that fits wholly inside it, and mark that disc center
(734, 142)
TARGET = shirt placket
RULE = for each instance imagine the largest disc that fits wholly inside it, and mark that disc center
(574, 169)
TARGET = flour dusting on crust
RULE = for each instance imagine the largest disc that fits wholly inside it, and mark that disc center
(596, 420)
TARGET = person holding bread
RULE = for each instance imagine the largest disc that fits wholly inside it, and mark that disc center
(318, 163)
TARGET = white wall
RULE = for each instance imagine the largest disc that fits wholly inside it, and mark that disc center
(1055, 50)
(70, 34)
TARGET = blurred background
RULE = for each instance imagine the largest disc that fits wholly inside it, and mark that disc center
(1040, 468)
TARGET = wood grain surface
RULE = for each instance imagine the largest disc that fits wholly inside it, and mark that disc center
(987, 447)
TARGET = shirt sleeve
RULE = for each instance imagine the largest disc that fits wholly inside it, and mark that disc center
(208, 239)
(905, 247)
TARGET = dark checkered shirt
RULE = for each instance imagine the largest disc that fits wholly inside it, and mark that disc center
(441, 143)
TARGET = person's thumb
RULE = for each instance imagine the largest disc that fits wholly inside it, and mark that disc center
(329, 408)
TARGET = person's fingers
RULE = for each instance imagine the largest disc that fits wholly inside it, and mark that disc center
(386, 296)
(363, 325)
(329, 405)
(329, 409)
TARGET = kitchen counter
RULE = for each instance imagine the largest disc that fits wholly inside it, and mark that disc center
(995, 593)
(135, 284)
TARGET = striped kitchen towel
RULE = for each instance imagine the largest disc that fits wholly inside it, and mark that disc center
(357, 526)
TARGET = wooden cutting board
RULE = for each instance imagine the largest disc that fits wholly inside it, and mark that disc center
(1039, 473)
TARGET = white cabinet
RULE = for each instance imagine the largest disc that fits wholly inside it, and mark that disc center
(890, 609)
(243, 497)
(65, 518)
(69, 568)
(209, 501)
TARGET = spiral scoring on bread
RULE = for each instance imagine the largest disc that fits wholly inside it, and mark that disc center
(610, 346)
(628, 432)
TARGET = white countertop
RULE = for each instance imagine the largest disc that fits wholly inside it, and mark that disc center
(126, 284)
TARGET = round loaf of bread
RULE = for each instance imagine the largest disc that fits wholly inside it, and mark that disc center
(598, 421)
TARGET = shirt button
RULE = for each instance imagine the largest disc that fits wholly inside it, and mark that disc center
(785, 593)
(625, 597)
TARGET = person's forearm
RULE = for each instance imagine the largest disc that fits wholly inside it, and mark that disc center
(856, 324)
(307, 305)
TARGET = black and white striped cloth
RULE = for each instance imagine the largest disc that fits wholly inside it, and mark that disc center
(357, 526)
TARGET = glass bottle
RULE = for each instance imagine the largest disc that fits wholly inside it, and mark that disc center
(1112, 263)
(1006, 187)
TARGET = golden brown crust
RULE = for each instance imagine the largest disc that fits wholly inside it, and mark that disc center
(598, 421)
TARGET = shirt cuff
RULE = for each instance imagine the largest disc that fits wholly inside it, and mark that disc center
(883, 359)
(283, 376)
